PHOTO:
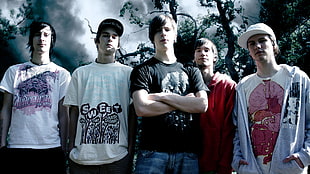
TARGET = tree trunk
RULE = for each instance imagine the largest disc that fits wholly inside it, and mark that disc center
(230, 41)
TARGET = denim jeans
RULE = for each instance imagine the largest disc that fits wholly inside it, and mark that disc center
(150, 162)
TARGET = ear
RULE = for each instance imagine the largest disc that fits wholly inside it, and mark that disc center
(96, 43)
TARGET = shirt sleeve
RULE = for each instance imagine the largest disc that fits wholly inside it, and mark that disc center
(71, 96)
(7, 82)
(139, 79)
(64, 83)
(197, 80)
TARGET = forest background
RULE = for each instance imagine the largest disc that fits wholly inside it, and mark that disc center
(222, 21)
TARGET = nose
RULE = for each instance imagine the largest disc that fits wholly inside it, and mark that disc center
(257, 45)
(163, 32)
(41, 37)
(110, 38)
(203, 52)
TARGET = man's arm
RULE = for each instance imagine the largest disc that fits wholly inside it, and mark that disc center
(132, 132)
(146, 107)
(190, 104)
(73, 115)
(5, 117)
(63, 117)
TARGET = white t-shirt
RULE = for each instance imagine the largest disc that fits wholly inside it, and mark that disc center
(36, 92)
(101, 91)
(264, 100)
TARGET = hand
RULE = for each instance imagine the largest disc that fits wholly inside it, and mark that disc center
(191, 95)
(243, 162)
(296, 158)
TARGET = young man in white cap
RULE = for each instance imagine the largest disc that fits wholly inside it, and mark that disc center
(99, 99)
(272, 111)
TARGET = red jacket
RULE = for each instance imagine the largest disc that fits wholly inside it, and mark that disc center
(217, 127)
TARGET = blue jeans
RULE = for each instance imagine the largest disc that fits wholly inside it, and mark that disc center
(150, 162)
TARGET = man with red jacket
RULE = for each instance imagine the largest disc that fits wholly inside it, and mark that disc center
(216, 124)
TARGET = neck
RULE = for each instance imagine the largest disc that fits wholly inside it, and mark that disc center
(207, 73)
(166, 56)
(267, 70)
(40, 59)
(105, 58)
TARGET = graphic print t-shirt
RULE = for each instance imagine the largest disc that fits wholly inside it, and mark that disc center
(175, 131)
(101, 91)
(265, 101)
(36, 92)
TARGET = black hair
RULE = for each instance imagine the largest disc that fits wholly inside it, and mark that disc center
(35, 27)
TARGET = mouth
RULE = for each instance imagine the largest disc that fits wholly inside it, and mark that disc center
(203, 59)
(163, 40)
(259, 52)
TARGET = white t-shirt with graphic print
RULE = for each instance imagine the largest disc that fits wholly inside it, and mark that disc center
(36, 92)
(264, 100)
(101, 91)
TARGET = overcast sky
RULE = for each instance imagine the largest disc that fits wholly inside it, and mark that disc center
(74, 39)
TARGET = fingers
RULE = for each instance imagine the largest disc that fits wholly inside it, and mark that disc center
(243, 162)
(296, 158)
(290, 158)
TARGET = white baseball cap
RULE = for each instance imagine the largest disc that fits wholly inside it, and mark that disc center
(259, 28)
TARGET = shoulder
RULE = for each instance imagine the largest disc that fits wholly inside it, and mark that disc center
(145, 66)
(245, 80)
(58, 67)
(19, 67)
(190, 68)
(123, 66)
(225, 77)
(151, 61)
(83, 68)
(294, 71)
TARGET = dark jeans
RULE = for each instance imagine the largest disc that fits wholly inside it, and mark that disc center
(34, 161)
(150, 162)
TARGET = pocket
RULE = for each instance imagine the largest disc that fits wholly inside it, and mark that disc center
(246, 169)
(191, 156)
(288, 168)
(142, 154)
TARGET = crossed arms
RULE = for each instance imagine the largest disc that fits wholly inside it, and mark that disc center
(155, 104)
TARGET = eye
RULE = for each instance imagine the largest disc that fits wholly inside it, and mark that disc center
(114, 36)
(251, 43)
(167, 29)
(46, 34)
(262, 40)
(37, 34)
(105, 35)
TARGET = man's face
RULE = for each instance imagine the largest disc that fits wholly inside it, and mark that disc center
(261, 47)
(165, 36)
(42, 40)
(108, 41)
(204, 56)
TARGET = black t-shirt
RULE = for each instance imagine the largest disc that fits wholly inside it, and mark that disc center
(175, 131)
